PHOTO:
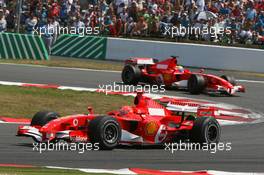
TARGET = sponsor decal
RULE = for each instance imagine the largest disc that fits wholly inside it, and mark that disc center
(75, 122)
(167, 77)
(162, 66)
(151, 128)
(161, 134)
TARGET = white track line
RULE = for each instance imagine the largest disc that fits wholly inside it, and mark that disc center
(251, 81)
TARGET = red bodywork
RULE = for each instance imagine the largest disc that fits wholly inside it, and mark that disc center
(169, 73)
(147, 122)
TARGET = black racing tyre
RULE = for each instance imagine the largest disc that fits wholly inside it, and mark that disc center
(230, 79)
(41, 118)
(131, 75)
(205, 130)
(106, 131)
(196, 84)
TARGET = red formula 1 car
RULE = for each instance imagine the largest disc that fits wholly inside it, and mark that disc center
(147, 122)
(169, 74)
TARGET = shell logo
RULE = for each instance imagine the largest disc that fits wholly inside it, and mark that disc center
(151, 128)
(167, 77)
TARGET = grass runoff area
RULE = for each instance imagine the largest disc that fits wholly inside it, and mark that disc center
(56, 61)
(26, 101)
(70, 62)
(41, 171)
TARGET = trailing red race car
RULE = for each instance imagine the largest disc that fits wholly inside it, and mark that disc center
(147, 122)
(169, 74)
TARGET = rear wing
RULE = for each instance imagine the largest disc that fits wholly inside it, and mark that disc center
(181, 108)
(191, 106)
(140, 61)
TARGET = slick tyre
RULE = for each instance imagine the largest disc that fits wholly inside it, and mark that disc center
(196, 84)
(205, 130)
(131, 75)
(106, 131)
(43, 117)
(230, 79)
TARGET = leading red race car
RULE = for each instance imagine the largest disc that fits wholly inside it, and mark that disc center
(147, 122)
(169, 74)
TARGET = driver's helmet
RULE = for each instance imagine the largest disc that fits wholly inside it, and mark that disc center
(126, 110)
(180, 68)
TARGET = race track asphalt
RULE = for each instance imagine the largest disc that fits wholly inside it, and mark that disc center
(247, 141)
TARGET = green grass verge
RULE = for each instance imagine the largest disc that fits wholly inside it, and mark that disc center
(41, 171)
(77, 63)
(26, 101)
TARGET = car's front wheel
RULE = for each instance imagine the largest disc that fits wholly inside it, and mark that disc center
(196, 84)
(131, 75)
(41, 118)
(105, 131)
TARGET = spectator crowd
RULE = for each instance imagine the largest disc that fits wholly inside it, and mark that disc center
(244, 18)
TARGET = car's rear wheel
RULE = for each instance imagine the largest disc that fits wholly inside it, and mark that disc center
(131, 75)
(105, 131)
(230, 79)
(205, 130)
(196, 84)
(41, 118)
